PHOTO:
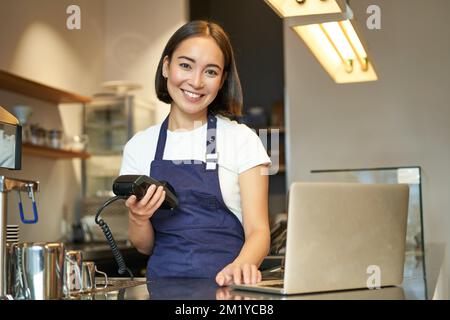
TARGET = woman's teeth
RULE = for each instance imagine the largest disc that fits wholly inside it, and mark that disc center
(192, 95)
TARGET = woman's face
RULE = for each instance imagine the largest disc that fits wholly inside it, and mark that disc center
(194, 74)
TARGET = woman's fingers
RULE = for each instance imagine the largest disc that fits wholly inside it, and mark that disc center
(237, 275)
(250, 273)
(225, 277)
(155, 198)
(160, 199)
(246, 272)
(143, 202)
(146, 207)
(131, 201)
(220, 278)
(254, 276)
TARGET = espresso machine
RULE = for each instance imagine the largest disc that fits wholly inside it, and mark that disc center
(10, 158)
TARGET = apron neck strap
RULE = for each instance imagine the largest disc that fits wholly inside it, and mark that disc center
(210, 136)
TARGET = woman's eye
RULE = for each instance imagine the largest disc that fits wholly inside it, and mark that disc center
(185, 66)
(211, 72)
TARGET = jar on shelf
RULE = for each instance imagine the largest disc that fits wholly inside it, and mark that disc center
(38, 135)
(54, 138)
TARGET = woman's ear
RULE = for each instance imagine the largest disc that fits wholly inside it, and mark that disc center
(165, 67)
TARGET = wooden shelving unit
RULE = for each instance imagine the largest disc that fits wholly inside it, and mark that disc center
(14, 83)
(47, 152)
(30, 88)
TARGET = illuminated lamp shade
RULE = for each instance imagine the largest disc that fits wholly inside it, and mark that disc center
(339, 50)
(292, 8)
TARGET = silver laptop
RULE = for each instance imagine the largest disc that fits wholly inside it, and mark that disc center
(342, 236)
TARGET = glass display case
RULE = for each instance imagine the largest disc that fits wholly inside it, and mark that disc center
(411, 175)
(110, 121)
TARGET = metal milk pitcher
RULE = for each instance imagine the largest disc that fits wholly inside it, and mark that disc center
(88, 276)
(73, 278)
(37, 270)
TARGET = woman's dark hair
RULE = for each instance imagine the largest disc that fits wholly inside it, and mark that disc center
(228, 101)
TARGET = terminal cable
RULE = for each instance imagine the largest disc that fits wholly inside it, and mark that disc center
(110, 239)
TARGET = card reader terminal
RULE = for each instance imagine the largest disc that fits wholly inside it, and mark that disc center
(128, 185)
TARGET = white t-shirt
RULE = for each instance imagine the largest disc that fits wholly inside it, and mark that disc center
(238, 147)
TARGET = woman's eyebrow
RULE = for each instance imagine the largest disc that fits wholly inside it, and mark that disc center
(192, 60)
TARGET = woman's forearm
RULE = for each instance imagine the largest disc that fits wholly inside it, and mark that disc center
(141, 235)
(256, 247)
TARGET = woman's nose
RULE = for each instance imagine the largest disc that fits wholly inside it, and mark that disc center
(196, 81)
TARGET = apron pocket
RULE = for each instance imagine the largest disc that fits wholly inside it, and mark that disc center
(206, 201)
(197, 210)
(208, 212)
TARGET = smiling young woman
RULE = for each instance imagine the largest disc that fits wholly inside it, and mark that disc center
(194, 77)
(220, 229)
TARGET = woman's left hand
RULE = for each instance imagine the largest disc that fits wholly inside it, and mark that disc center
(238, 274)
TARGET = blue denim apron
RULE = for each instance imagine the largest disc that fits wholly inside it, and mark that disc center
(202, 235)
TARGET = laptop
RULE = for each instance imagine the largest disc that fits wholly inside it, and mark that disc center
(341, 236)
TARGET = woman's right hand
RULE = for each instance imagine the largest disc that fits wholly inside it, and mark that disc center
(141, 211)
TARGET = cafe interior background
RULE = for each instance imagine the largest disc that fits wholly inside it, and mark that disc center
(400, 120)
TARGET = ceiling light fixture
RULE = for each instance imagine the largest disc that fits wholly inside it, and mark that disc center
(292, 8)
(339, 50)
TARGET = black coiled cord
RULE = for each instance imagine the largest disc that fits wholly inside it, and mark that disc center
(110, 239)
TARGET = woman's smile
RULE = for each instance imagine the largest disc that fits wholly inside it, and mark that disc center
(192, 96)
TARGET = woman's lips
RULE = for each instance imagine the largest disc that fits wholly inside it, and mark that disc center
(192, 96)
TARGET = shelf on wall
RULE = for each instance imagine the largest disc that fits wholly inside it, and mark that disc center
(17, 84)
(47, 152)
(106, 153)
